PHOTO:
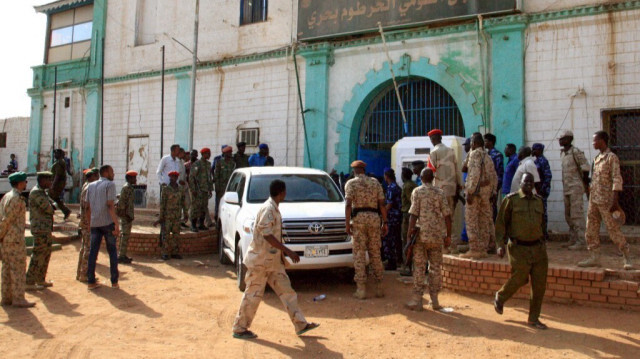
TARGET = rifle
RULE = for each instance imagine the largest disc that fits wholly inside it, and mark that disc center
(408, 249)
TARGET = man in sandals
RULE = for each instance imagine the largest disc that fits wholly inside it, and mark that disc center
(521, 220)
(265, 264)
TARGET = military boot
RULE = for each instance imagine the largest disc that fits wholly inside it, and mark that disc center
(577, 247)
(415, 303)
(193, 228)
(627, 260)
(435, 304)
(593, 260)
(569, 243)
(361, 291)
(379, 290)
(202, 226)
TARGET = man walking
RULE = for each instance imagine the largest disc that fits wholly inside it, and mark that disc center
(101, 196)
(125, 211)
(604, 193)
(222, 174)
(363, 210)
(12, 223)
(544, 171)
(521, 221)
(575, 182)
(431, 211)
(265, 265)
(260, 159)
(172, 204)
(41, 218)
(201, 188)
(59, 170)
(91, 175)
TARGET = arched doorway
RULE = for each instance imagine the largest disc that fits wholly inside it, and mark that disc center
(426, 104)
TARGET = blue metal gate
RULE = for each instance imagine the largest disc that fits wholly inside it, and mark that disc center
(426, 105)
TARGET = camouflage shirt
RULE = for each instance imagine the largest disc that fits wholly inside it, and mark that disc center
(40, 211)
(59, 170)
(481, 174)
(84, 206)
(574, 163)
(446, 176)
(222, 173)
(430, 205)
(606, 178)
(200, 177)
(125, 207)
(363, 191)
(172, 203)
(260, 252)
(12, 216)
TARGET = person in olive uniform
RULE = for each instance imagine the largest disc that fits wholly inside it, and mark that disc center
(521, 221)
(59, 170)
(240, 158)
(41, 218)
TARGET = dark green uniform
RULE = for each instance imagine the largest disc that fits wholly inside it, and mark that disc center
(172, 204)
(59, 170)
(521, 220)
(125, 211)
(241, 160)
(41, 220)
(407, 189)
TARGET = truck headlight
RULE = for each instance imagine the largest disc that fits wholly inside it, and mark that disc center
(247, 226)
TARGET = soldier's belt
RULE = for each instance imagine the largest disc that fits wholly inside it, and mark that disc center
(525, 243)
(355, 211)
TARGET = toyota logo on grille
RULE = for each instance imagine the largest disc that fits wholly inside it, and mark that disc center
(316, 228)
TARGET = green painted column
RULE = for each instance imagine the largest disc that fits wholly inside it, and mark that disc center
(92, 135)
(316, 95)
(507, 84)
(35, 132)
(183, 108)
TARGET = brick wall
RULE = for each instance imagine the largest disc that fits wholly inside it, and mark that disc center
(203, 242)
(597, 287)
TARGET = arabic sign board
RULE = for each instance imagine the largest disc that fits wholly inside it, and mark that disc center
(330, 18)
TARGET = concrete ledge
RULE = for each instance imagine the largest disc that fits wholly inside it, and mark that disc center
(147, 244)
(593, 287)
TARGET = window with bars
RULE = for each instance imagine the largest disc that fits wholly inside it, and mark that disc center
(252, 11)
(249, 135)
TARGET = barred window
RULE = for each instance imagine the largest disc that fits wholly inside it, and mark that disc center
(249, 135)
(252, 11)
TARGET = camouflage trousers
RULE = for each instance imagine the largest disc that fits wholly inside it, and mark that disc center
(199, 204)
(423, 253)
(40, 257)
(366, 239)
(405, 230)
(596, 214)
(83, 257)
(256, 279)
(574, 215)
(13, 270)
(171, 236)
(479, 223)
(125, 233)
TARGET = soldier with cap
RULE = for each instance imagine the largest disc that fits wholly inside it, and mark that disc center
(521, 222)
(125, 211)
(432, 213)
(91, 175)
(171, 205)
(240, 158)
(222, 174)
(366, 221)
(575, 182)
(201, 188)
(12, 223)
(480, 186)
(41, 218)
(260, 159)
(59, 170)
(606, 186)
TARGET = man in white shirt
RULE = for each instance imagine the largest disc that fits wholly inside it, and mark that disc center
(169, 163)
(527, 164)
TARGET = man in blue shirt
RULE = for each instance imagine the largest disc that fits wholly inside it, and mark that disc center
(260, 159)
(510, 170)
(544, 170)
(417, 167)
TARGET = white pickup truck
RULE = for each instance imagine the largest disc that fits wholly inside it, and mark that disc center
(312, 215)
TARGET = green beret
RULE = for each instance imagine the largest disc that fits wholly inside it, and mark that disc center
(45, 174)
(17, 177)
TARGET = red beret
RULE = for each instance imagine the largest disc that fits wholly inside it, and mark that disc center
(434, 132)
(227, 149)
(86, 171)
(174, 173)
(205, 150)
(358, 164)
(132, 173)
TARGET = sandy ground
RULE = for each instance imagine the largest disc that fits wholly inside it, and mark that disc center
(185, 308)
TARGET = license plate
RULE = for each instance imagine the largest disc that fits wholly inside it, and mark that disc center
(316, 251)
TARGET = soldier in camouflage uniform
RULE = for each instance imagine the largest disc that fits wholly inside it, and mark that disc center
(240, 158)
(172, 204)
(575, 178)
(480, 186)
(83, 258)
(407, 189)
(125, 212)
(59, 170)
(223, 170)
(41, 218)
(431, 211)
(12, 223)
(606, 186)
(201, 188)
(365, 204)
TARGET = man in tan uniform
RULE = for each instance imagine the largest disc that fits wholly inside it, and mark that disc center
(575, 178)
(365, 204)
(12, 223)
(429, 209)
(480, 186)
(265, 264)
(605, 189)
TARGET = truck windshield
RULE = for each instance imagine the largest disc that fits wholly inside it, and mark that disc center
(300, 188)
